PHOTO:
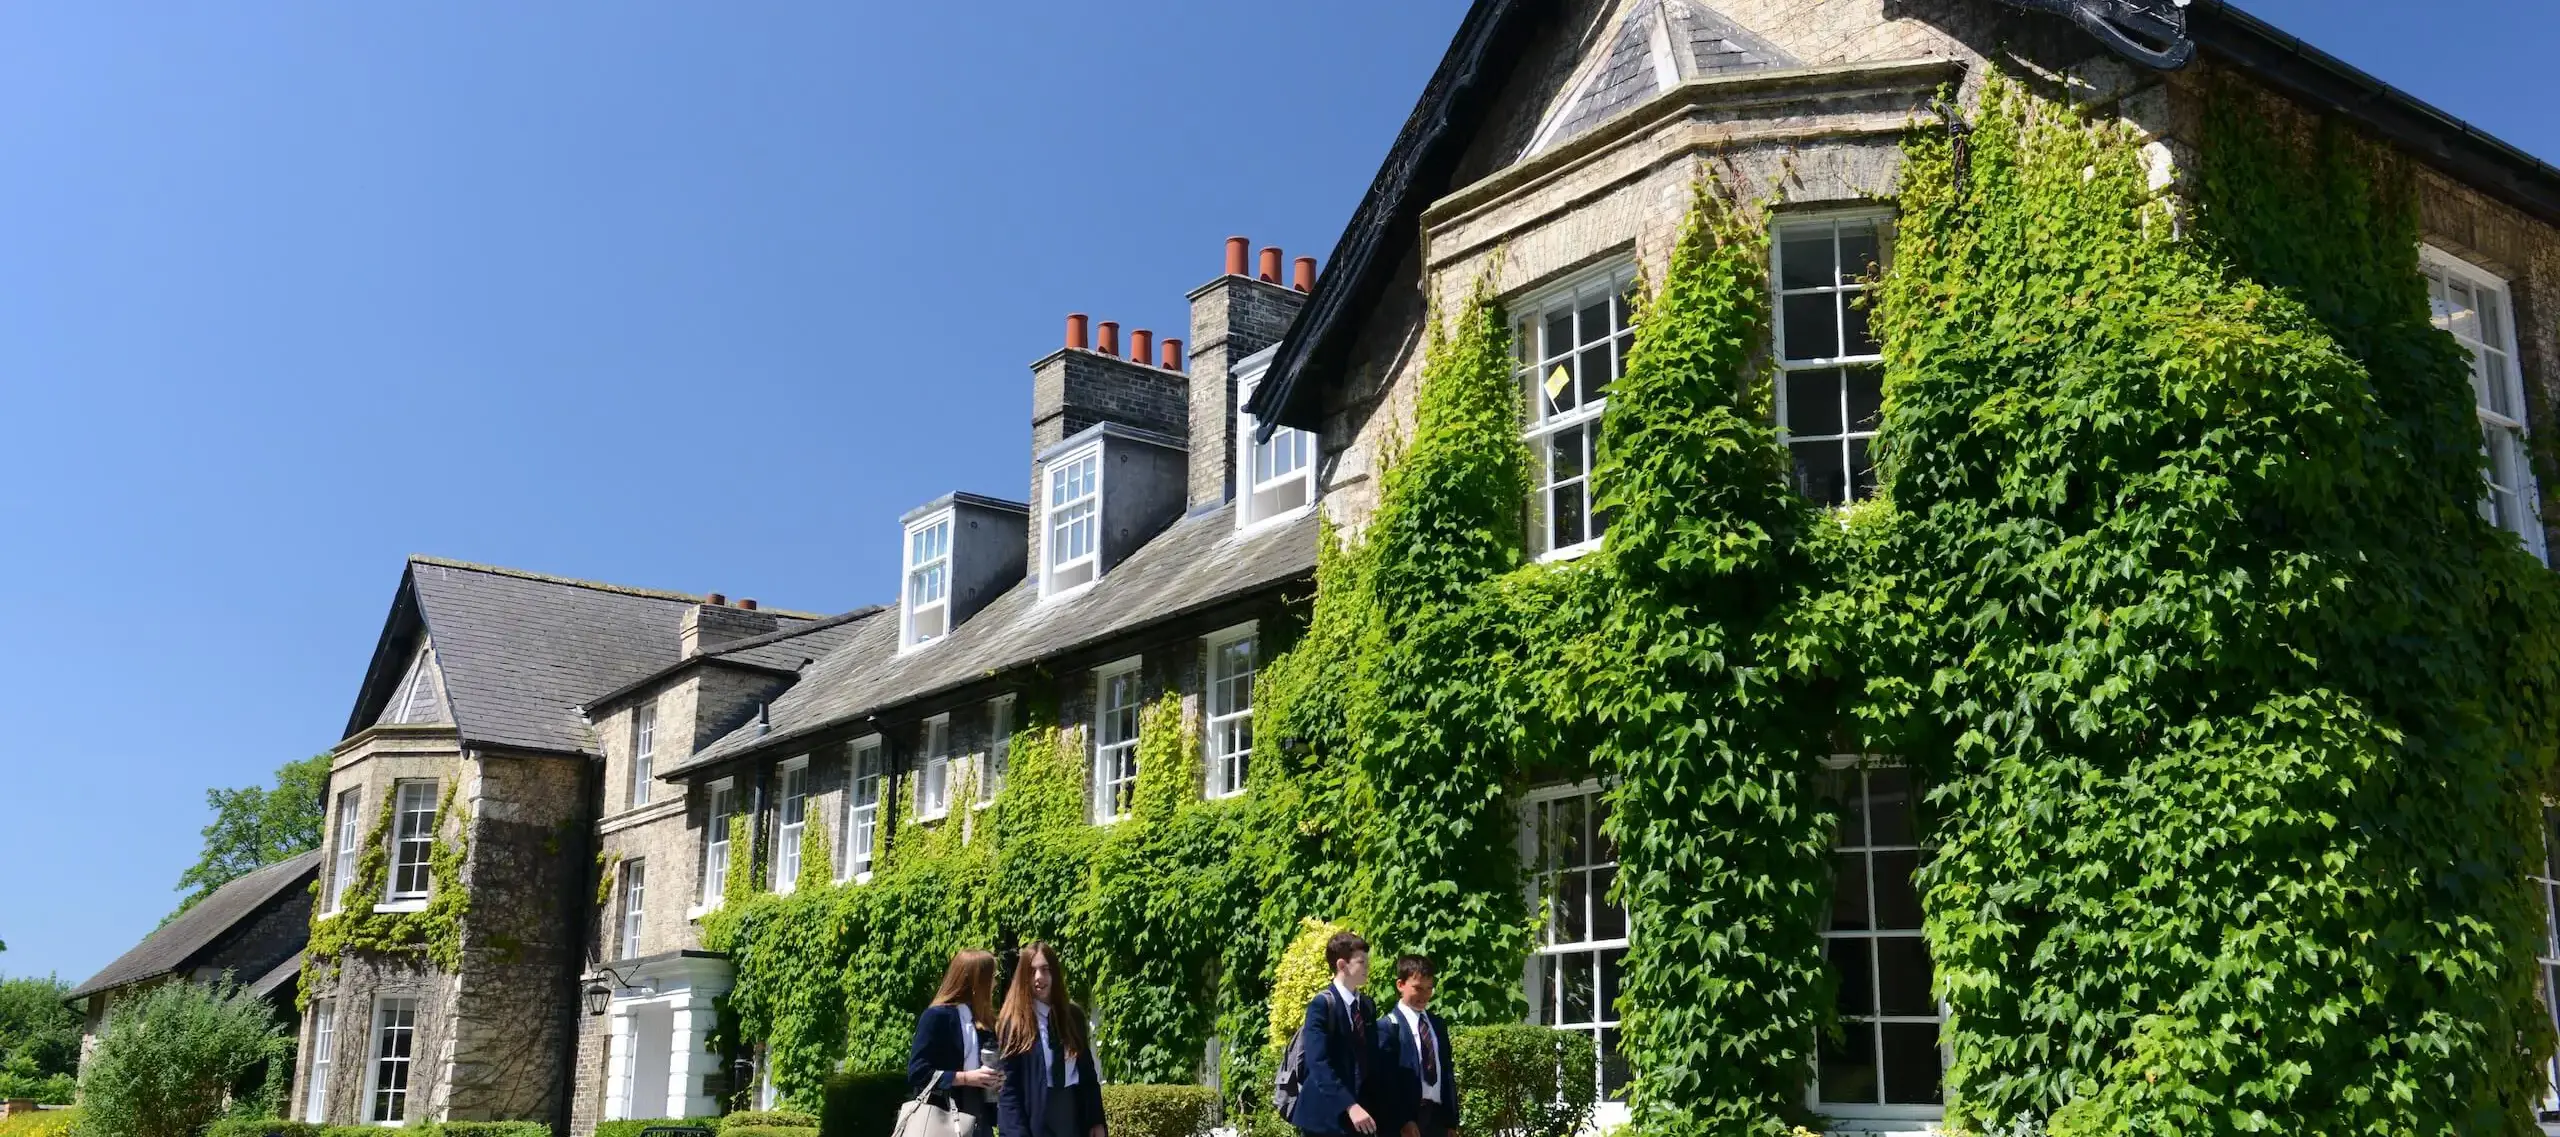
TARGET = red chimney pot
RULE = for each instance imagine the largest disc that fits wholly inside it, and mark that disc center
(1108, 337)
(1142, 345)
(1271, 265)
(1079, 331)
(715, 600)
(1172, 354)
(1239, 250)
(749, 605)
(1306, 275)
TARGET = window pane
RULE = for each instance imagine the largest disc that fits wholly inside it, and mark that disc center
(1804, 259)
(1851, 960)
(1571, 896)
(1911, 1064)
(1866, 397)
(1813, 326)
(1903, 975)
(1855, 338)
(1596, 370)
(1820, 472)
(1889, 797)
(1897, 900)
(1608, 919)
(1613, 1065)
(1612, 962)
(1813, 403)
(1862, 470)
(1849, 892)
(1861, 258)
(1559, 340)
(1848, 1072)
(1565, 508)
(1576, 982)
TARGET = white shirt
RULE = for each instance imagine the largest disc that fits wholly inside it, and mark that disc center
(968, 1037)
(1421, 1035)
(1073, 1077)
(1350, 1002)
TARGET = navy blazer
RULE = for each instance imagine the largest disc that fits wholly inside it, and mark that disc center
(1337, 1064)
(1395, 1076)
(937, 1054)
(1024, 1101)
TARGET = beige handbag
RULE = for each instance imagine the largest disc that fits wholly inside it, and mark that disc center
(922, 1118)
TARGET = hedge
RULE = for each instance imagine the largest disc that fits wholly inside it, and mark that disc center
(634, 1127)
(862, 1104)
(1159, 1111)
(488, 1129)
(767, 1118)
(770, 1131)
(261, 1127)
(1525, 1081)
(41, 1123)
(279, 1127)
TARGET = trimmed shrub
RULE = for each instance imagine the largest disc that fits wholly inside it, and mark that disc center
(172, 1059)
(862, 1104)
(263, 1127)
(770, 1131)
(634, 1127)
(1159, 1111)
(1525, 1081)
(768, 1119)
(1294, 983)
(356, 1130)
(488, 1129)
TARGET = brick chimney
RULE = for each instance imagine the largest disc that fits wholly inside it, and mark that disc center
(712, 623)
(1077, 387)
(1232, 317)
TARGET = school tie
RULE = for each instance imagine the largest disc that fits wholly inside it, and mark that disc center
(1057, 1061)
(1430, 1058)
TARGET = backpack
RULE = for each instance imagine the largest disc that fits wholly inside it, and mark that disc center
(1292, 1079)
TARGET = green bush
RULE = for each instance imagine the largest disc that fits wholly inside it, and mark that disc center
(770, 1131)
(488, 1129)
(633, 1127)
(1159, 1111)
(768, 1119)
(41, 1123)
(263, 1127)
(1524, 1081)
(172, 1059)
(357, 1130)
(862, 1104)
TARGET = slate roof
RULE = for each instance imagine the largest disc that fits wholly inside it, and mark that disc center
(277, 976)
(1197, 564)
(520, 651)
(784, 650)
(1701, 40)
(176, 945)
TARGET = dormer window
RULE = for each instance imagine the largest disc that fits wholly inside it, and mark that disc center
(1073, 513)
(1278, 478)
(928, 604)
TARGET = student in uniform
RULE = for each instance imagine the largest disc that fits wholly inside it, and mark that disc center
(946, 1053)
(1045, 1053)
(1415, 1088)
(1340, 1030)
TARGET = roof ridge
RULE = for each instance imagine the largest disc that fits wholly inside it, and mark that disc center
(777, 636)
(590, 585)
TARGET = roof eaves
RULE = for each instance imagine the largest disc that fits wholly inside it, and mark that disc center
(591, 585)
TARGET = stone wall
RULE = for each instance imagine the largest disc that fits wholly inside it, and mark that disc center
(1231, 317)
(522, 945)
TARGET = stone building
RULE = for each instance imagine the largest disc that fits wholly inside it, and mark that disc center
(600, 743)
(250, 930)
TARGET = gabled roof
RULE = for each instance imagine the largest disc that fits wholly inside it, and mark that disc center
(1198, 564)
(519, 651)
(181, 943)
(781, 652)
(1419, 168)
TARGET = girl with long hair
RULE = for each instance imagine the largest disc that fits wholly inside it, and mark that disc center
(1045, 1052)
(952, 1037)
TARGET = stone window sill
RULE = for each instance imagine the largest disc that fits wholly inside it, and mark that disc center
(401, 906)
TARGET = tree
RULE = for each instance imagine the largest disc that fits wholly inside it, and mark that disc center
(39, 1040)
(173, 1059)
(257, 826)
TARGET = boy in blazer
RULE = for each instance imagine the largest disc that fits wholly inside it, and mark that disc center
(1413, 1084)
(1338, 1036)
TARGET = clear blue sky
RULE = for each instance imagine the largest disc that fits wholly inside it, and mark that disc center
(671, 295)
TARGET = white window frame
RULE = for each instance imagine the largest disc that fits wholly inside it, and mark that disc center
(1228, 737)
(1251, 486)
(1549, 900)
(928, 570)
(1115, 754)
(862, 807)
(1087, 499)
(788, 828)
(1842, 294)
(342, 860)
(407, 798)
(324, 1046)
(997, 758)
(644, 752)
(2492, 350)
(1534, 362)
(1869, 1113)
(715, 842)
(933, 770)
(378, 1064)
(635, 891)
(2546, 879)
